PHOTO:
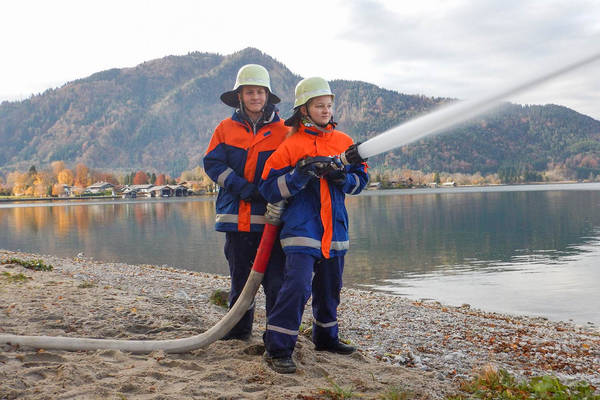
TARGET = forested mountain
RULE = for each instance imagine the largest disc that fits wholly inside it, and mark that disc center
(160, 115)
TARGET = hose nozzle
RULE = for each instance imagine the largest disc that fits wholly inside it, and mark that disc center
(352, 155)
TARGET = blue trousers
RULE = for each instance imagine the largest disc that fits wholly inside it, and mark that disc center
(305, 275)
(240, 250)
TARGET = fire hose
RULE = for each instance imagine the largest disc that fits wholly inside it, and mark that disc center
(183, 345)
(433, 123)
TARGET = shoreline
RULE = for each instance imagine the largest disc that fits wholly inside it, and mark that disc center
(426, 347)
(13, 199)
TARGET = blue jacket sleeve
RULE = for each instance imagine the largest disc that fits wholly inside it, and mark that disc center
(356, 179)
(218, 169)
(282, 184)
(280, 180)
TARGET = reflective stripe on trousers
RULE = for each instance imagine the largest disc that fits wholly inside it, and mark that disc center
(284, 320)
(301, 241)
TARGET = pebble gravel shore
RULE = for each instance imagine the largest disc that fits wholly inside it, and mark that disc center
(452, 343)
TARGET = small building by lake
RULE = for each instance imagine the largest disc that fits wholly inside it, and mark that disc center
(99, 187)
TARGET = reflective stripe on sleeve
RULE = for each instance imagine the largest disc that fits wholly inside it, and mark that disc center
(283, 188)
(342, 245)
(357, 184)
(233, 219)
(325, 324)
(227, 218)
(301, 241)
(221, 178)
(282, 330)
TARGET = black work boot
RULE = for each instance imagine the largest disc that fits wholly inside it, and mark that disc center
(338, 347)
(237, 336)
(282, 365)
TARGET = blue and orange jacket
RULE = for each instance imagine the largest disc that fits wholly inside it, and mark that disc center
(315, 220)
(235, 159)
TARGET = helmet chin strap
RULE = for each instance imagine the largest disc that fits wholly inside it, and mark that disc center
(307, 121)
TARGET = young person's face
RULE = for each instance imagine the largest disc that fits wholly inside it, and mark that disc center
(254, 98)
(320, 109)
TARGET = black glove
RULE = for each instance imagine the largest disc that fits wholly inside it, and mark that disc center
(307, 167)
(337, 177)
(351, 155)
(254, 195)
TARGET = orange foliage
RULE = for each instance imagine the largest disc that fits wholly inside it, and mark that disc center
(82, 178)
(58, 189)
(104, 177)
(160, 180)
(65, 177)
(57, 167)
(140, 178)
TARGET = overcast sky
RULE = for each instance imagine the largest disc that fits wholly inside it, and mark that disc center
(436, 48)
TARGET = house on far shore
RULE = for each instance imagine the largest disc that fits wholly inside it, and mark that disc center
(199, 187)
(62, 190)
(129, 193)
(374, 186)
(178, 190)
(99, 187)
(160, 191)
(142, 190)
(449, 184)
(169, 191)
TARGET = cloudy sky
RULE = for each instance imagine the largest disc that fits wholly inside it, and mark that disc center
(449, 48)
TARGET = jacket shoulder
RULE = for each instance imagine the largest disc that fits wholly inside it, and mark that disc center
(343, 136)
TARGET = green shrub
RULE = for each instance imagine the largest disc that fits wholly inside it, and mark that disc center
(36, 265)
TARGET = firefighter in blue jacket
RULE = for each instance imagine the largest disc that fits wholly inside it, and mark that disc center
(314, 231)
(234, 160)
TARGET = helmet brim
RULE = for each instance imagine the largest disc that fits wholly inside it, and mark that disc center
(231, 98)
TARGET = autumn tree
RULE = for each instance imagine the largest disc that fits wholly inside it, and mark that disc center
(197, 179)
(82, 175)
(140, 178)
(42, 184)
(57, 167)
(20, 182)
(160, 180)
(66, 177)
(58, 189)
(104, 177)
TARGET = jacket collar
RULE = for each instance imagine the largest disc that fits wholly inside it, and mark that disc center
(315, 130)
(270, 115)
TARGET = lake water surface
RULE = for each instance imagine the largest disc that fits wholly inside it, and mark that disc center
(531, 249)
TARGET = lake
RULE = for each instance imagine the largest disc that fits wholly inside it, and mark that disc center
(529, 249)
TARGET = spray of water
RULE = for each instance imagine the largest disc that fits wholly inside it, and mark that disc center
(447, 117)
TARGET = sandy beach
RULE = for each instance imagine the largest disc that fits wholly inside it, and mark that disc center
(424, 348)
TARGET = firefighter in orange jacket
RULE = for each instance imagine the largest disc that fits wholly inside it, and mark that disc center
(234, 160)
(314, 232)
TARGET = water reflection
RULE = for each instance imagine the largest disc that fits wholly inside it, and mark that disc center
(416, 235)
(176, 233)
(528, 250)
(536, 253)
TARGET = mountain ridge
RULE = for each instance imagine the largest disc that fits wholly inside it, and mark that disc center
(160, 114)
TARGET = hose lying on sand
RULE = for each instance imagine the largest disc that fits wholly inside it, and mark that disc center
(174, 345)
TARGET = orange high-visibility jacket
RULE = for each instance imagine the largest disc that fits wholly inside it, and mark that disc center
(315, 220)
(235, 159)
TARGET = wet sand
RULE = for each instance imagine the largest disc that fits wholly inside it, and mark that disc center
(424, 348)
